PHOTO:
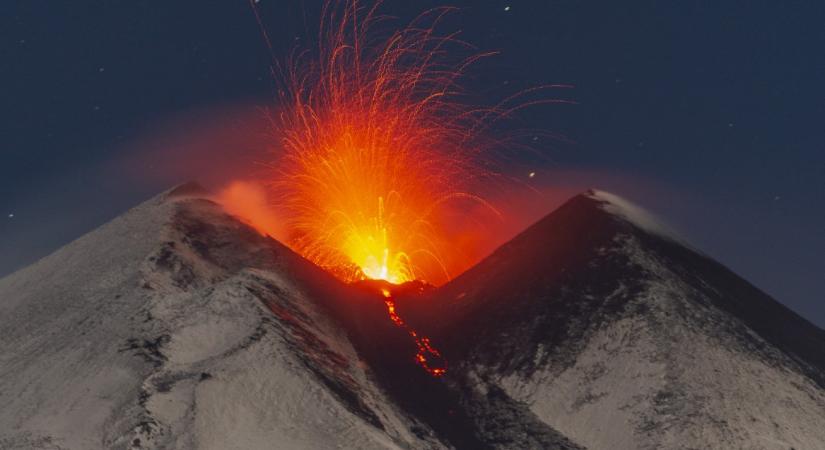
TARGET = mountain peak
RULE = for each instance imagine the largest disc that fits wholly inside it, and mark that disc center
(597, 318)
(630, 212)
(188, 189)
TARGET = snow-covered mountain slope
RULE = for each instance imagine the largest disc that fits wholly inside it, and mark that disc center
(177, 326)
(605, 327)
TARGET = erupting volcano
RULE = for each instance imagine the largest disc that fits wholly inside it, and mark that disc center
(376, 147)
(375, 284)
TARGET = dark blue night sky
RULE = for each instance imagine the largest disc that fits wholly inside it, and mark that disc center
(710, 114)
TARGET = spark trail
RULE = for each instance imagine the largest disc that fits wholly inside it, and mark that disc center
(377, 148)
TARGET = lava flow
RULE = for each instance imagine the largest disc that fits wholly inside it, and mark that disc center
(426, 352)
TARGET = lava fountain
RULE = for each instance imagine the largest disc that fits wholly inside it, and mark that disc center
(377, 148)
(380, 151)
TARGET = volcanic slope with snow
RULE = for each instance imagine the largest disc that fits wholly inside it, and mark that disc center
(178, 326)
(601, 323)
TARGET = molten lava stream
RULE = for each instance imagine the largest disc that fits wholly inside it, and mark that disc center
(425, 348)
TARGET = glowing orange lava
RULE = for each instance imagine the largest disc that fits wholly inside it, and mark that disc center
(375, 147)
(428, 357)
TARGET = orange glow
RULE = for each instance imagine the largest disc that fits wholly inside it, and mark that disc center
(377, 149)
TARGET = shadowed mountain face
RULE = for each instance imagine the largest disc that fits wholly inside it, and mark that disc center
(620, 336)
(585, 263)
(177, 326)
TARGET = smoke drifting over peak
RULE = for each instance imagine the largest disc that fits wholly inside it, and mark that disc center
(248, 201)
